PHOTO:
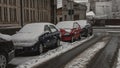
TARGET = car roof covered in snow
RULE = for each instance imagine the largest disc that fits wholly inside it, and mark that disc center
(34, 27)
(82, 23)
(65, 24)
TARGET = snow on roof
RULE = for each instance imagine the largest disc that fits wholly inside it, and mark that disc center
(5, 37)
(65, 24)
(91, 13)
(34, 27)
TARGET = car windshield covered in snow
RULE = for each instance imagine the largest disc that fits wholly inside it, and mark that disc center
(31, 28)
(65, 24)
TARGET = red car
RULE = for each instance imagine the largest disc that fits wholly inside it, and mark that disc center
(70, 30)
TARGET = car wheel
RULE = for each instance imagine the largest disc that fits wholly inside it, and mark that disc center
(41, 49)
(58, 43)
(91, 34)
(3, 61)
(79, 37)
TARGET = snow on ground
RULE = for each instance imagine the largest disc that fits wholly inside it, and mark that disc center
(82, 60)
(113, 31)
(118, 60)
(5, 37)
(52, 53)
(112, 26)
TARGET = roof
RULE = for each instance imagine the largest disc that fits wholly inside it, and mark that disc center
(91, 13)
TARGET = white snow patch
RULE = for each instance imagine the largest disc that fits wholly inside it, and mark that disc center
(112, 26)
(53, 53)
(91, 13)
(82, 60)
(5, 37)
(113, 31)
(118, 64)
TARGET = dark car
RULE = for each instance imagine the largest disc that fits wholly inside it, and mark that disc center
(86, 28)
(35, 37)
(6, 52)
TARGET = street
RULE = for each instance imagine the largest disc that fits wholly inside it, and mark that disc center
(103, 53)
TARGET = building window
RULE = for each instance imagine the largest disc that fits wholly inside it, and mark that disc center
(5, 14)
(5, 1)
(14, 2)
(31, 3)
(0, 14)
(26, 15)
(0, 1)
(34, 16)
(31, 15)
(65, 16)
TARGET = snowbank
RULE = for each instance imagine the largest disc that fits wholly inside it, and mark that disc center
(53, 53)
(118, 64)
(82, 60)
(113, 26)
(5, 37)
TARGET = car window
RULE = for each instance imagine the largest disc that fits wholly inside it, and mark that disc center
(46, 29)
(75, 25)
(53, 28)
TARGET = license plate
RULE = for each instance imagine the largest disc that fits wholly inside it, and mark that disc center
(18, 47)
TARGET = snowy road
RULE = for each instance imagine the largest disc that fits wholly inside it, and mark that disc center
(83, 59)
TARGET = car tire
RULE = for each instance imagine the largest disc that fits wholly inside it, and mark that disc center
(41, 49)
(58, 43)
(79, 37)
(3, 60)
(91, 34)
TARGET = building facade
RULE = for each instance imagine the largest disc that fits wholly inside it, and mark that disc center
(115, 6)
(73, 11)
(103, 10)
(21, 12)
(116, 9)
(59, 14)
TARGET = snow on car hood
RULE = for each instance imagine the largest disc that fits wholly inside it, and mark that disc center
(68, 30)
(25, 39)
(5, 37)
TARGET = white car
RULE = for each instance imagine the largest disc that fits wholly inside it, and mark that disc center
(35, 37)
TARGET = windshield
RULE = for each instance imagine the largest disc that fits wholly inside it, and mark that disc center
(32, 28)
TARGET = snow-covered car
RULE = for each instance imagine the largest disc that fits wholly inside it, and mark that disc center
(6, 50)
(70, 30)
(86, 28)
(35, 37)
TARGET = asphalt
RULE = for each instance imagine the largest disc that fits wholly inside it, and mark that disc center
(61, 60)
(106, 57)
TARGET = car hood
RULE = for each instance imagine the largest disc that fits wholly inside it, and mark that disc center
(21, 39)
(68, 30)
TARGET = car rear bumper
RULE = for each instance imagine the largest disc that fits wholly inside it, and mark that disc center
(66, 38)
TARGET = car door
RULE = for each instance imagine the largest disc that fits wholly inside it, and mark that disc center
(54, 33)
(47, 36)
(76, 29)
